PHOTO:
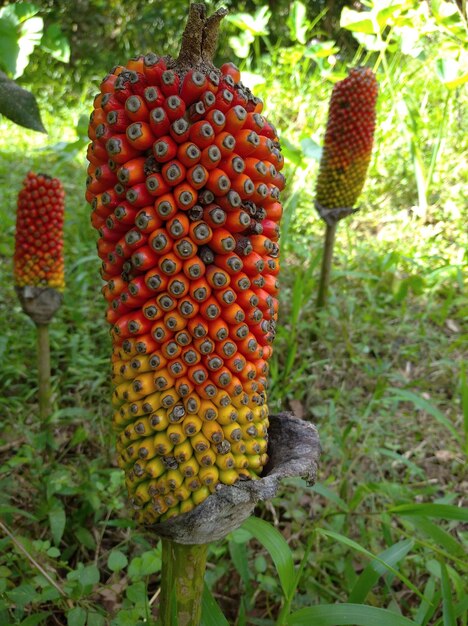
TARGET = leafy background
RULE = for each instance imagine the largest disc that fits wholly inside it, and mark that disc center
(380, 539)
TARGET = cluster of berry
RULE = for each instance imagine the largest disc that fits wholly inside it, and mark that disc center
(184, 181)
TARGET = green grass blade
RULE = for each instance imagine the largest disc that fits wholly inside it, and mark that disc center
(346, 614)
(286, 608)
(355, 546)
(404, 395)
(447, 604)
(440, 536)
(211, 613)
(460, 609)
(417, 471)
(238, 553)
(375, 570)
(330, 495)
(273, 541)
(464, 400)
(425, 610)
(441, 511)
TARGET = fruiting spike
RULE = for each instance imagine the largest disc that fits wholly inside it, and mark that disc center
(184, 183)
(348, 140)
(38, 259)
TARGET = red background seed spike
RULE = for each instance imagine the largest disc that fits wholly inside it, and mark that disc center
(38, 258)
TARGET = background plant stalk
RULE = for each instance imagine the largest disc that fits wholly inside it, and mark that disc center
(43, 364)
(326, 264)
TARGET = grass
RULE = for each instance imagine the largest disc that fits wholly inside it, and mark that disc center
(379, 371)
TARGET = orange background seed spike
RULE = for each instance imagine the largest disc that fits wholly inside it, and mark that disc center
(348, 140)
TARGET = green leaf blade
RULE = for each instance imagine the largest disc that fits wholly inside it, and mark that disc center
(375, 570)
(211, 613)
(272, 540)
(346, 614)
(19, 105)
(440, 511)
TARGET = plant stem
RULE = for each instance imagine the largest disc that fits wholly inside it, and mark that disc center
(326, 264)
(43, 362)
(183, 572)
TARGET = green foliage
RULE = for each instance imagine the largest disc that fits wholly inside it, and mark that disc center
(21, 31)
(19, 105)
(380, 371)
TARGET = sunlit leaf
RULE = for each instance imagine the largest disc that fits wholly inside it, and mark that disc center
(291, 152)
(311, 149)
(255, 24)
(251, 80)
(370, 42)
(24, 10)
(31, 35)
(450, 72)
(241, 44)
(357, 22)
(321, 49)
(297, 22)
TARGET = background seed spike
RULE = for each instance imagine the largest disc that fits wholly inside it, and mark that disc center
(348, 140)
(188, 241)
(38, 259)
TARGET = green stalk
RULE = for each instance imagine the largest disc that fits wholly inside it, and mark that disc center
(183, 573)
(43, 363)
(326, 264)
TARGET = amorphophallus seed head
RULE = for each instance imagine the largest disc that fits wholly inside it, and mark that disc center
(348, 140)
(184, 180)
(38, 258)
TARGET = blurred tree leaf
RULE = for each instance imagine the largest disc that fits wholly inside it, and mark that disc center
(357, 22)
(298, 23)
(255, 24)
(292, 152)
(311, 149)
(241, 44)
(20, 32)
(19, 105)
(23, 11)
(8, 40)
(251, 80)
(56, 43)
(30, 36)
(321, 49)
(451, 73)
